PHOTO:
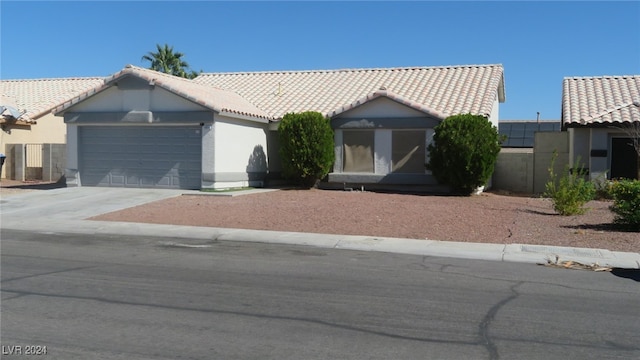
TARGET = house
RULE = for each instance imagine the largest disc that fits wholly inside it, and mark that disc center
(141, 128)
(383, 118)
(26, 119)
(599, 113)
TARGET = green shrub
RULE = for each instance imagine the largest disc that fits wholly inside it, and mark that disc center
(626, 203)
(571, 191)
(463, 152)
(306, 147)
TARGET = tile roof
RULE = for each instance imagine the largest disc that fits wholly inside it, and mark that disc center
(600, 100)
(441, 90)
(222, 101)
(36, 97)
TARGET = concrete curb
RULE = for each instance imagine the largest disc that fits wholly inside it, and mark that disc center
(536, 254)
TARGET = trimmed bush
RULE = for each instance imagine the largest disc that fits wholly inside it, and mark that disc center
(626, 203)
(464, 151)
(571, 191)
(306, 147)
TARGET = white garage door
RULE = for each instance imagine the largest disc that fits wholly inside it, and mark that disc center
(140, 156)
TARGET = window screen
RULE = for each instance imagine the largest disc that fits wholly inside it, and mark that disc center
(358, 151)
(407, 149)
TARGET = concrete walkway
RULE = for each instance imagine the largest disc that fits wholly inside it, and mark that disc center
(63, 210)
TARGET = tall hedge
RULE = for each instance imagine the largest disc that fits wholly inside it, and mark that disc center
(306, 147)
(463, 152)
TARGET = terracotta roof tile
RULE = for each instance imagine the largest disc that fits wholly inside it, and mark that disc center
(37, 97)
(600, 100)
(443, 90)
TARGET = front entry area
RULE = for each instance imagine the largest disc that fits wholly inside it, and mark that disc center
(140, 156)
(624, 159)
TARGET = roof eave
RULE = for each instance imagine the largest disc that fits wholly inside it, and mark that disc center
(248, 117)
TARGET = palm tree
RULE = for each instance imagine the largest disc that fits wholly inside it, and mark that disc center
(169, 62)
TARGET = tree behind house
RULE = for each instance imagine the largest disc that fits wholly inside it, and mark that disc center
(169, 62)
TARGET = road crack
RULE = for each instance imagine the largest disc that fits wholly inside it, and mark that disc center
(488, 319)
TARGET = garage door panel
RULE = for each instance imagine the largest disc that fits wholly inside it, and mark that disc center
(165, 157)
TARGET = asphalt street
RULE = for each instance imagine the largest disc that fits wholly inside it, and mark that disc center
(109, 296)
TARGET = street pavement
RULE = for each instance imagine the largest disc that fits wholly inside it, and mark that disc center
(65, 210)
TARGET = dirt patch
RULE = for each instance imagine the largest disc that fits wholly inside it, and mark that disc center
(486, 218)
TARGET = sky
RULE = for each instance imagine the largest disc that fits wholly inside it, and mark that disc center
(538, 42)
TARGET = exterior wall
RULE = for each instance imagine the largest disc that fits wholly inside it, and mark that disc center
(132, 98)
(53, 162)
(514, 171)
(71, 169)
(240, 155)
(526, 170)
(545, 143)
(495, 111)
(592, 148)
(381, 108)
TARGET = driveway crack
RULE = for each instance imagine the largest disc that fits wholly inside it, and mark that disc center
(488, 319)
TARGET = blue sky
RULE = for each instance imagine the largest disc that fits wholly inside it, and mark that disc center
(539, 43)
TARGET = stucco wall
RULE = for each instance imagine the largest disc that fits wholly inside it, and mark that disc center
(115, 99)
(240, 156)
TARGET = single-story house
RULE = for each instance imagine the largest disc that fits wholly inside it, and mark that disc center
(141, 128)
(599, 112)
(25, 113)
(383, 118)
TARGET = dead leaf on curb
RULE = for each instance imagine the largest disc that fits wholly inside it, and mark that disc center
(574, 265)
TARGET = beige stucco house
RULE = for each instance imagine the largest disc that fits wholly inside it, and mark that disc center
(141, 128)
(26, 116)
(596, 111)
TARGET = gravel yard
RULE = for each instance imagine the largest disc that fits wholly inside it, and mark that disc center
(489, 217)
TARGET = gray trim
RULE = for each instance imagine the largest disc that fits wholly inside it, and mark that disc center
(234, 176)
(385, 123)
(72, 177)
(133, 83)
(139, 117)
(396, 179)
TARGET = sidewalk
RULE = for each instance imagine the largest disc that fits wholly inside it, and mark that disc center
(61, 211)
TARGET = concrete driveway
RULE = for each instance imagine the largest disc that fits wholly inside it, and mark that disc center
(76, 203)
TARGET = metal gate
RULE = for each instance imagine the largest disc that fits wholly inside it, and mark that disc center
(33, 161)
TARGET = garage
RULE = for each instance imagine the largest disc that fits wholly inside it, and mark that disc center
(167, 157)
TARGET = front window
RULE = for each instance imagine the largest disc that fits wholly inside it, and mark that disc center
(408, 154)
(358, 151)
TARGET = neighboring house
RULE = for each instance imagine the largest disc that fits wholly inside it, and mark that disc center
(596, 111)
(26, 116)
(141, 128)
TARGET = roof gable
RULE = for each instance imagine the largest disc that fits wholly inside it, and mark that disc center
(222, 101)
(600, 100)
(444, 90)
